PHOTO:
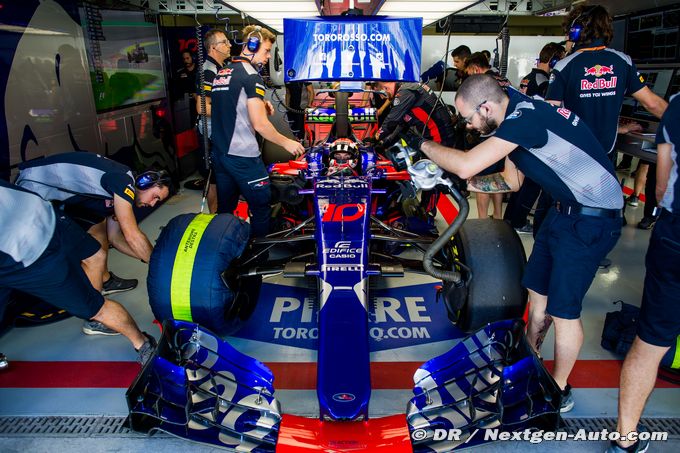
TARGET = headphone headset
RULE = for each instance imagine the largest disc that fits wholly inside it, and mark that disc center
(580, 23)
(148, 179)
(554, 59)
(254, 39)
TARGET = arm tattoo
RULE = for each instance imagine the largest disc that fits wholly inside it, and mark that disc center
(494, 183)
(543, 331)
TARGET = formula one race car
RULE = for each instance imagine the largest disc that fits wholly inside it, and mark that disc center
(138, 55)
(342, 224)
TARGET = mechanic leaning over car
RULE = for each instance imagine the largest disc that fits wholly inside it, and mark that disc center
(659, 319)
(560, 153)
(239, 111)
(414, 105)
(41, 253)
(98, 194)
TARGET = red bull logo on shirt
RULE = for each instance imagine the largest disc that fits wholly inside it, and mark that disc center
(598, 84)
(599, 70)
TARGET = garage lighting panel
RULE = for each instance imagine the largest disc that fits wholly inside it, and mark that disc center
(431, 10)
(272, 13)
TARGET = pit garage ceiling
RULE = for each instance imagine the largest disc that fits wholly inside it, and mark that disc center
(272, 12)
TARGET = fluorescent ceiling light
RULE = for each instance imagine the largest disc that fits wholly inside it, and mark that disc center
(431, 10)
(272, 13)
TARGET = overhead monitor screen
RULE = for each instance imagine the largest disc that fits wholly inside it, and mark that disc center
(124, 56)
(352, 48)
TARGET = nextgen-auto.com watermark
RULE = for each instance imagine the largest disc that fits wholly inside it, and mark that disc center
(532, 436)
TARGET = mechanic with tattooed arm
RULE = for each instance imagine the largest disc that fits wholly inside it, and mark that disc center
(558, 151)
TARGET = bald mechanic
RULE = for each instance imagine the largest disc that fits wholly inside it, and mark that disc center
(40, 254)
(239, 112)
(99, 195)
(557, 150)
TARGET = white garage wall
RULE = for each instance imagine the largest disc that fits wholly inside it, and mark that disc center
(524, 52)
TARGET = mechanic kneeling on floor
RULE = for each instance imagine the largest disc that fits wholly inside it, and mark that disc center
(40, 254)
(98, 194)
(558, 151)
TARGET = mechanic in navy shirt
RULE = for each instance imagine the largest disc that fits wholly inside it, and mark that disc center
(659, 322)
(98, 194)
(536, 82)
(40, 254)
(219, 49)
(239, 111)
(593, 80)
(557, 150)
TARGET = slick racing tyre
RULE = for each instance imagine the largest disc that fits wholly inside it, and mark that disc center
(493, 252)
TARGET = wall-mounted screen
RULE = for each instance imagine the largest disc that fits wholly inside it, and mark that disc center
(352, 48)
(124, 55)
(659, 80)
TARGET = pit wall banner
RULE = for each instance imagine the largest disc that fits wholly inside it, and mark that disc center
(352, 48)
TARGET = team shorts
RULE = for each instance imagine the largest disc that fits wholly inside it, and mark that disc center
(57, 276)
(567, 252)
(659, 322)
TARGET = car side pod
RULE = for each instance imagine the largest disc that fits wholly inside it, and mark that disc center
(491, 379)
(198, 387)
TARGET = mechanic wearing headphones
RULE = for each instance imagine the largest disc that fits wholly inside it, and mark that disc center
(219, 50)
(593, 79)
(40, 255)
(98, 194)
(239, 111)
(558, 151)
(413, 104)
(536, 82)
(533, 84)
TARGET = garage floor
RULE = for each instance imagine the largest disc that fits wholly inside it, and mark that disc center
(57, 370)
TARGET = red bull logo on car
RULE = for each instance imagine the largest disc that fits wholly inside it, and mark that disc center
(599, 70)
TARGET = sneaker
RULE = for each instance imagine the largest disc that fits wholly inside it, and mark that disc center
(97, 328)
(4, 363)
(640, 446)
(526, 229)
(567, 400)
(605, 263)
(195, 184)
(118, 285)
(646, 223)
(623, 167)
(145, 352)
(633, 201)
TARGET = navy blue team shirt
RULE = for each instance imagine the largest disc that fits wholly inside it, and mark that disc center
(79, 178)
(560, 153)
(591, 82)
(232, 87)
(668, 133)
